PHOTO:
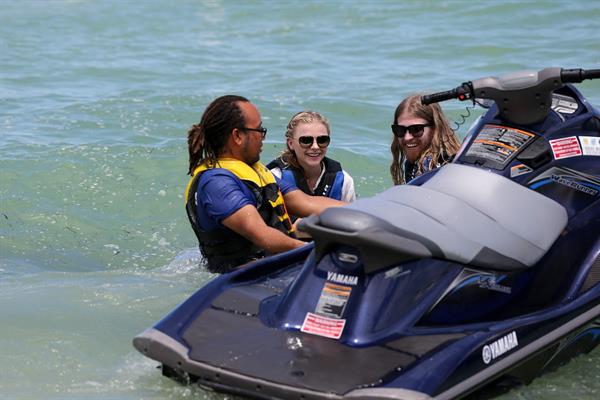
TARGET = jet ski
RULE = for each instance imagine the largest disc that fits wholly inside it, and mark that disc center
(481, 274)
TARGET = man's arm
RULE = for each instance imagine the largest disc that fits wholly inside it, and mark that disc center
(247, 222)
(299, 203)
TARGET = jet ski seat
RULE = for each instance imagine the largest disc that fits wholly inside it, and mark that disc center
(462, 214)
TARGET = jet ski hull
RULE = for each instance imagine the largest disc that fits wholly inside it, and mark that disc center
(480, 274)
(235, 353)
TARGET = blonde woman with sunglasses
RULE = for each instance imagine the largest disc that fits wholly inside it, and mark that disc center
(304, 163)
(422, 141)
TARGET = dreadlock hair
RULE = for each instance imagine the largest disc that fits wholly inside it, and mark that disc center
(303, 117)
(207, 138)
(444, 142)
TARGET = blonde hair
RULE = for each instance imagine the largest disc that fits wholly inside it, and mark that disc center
(444, 142)
(303, 117)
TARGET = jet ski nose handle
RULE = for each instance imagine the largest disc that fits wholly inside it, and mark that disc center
(344, 221)
(379, 243)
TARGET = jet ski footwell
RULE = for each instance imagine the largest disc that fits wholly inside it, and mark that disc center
(306, 367)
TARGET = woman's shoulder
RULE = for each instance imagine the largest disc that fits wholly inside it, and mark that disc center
(332, 165)
(276, 171)
(348, 191)
(347, 176)
(277, 163)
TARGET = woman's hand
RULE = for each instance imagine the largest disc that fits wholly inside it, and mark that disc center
(301, 234)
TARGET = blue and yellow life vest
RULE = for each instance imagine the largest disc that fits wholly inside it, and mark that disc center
(223, 248)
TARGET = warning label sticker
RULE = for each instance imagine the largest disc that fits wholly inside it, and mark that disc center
(565, 147)
(590, 145)
(498, 143)
(333, 300)
(323, 326)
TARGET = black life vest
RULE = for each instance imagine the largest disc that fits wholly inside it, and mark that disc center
(331, 182)
(223, 248)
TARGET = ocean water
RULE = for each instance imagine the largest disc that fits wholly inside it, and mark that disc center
(95, 101)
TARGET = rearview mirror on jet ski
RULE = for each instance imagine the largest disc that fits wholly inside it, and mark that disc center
(483, 272)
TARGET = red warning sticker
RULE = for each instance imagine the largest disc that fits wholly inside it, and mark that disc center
(565, 147)
(323, 326)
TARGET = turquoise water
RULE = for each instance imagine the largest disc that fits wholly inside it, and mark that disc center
(95, 101)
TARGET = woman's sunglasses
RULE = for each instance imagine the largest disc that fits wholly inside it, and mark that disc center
(307, 141)
(415, 130)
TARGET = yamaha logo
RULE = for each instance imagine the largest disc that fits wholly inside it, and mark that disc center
(341, 278)
(495, 349)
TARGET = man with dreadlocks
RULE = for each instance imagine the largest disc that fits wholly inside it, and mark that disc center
(237, 208)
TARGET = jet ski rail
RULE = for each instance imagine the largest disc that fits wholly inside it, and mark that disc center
(523, 97)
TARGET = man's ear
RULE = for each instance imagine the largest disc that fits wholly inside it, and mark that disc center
(236, 136)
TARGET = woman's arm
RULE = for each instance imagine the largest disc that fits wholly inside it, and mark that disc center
(299, 203)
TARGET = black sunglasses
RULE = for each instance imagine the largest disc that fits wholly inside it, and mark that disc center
(261, 130)
(415, 130)
(307, 141)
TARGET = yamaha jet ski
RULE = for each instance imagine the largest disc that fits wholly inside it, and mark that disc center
(481, 273)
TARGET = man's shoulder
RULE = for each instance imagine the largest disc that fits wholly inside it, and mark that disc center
(217, 173)
(218, 179)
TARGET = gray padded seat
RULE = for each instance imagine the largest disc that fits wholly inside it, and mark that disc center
(463, 214)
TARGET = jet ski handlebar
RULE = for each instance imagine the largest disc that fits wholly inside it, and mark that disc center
(578, 75)
(523, 98)
(519, 81)
(463, 92)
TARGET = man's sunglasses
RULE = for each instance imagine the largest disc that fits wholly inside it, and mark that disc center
(415, 130)
(261, 130)
(307, 141)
